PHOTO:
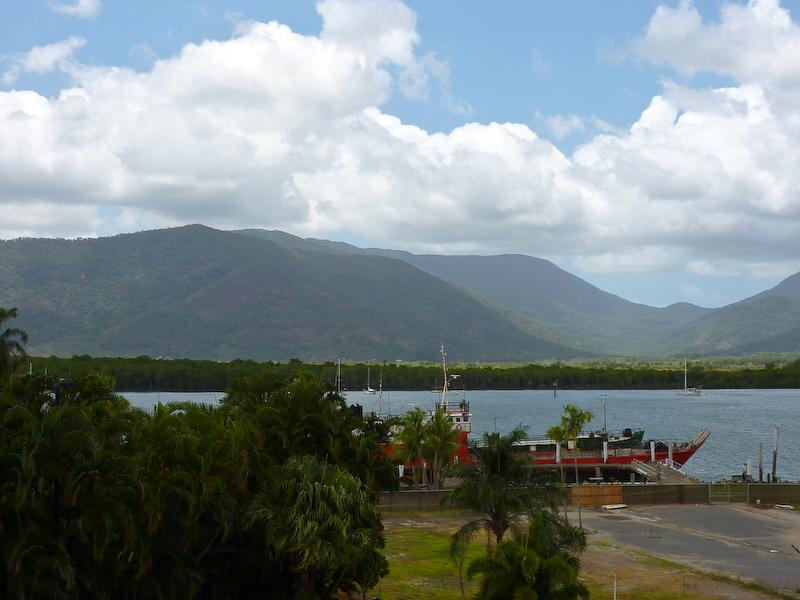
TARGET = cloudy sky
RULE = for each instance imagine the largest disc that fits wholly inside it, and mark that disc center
(653, 149)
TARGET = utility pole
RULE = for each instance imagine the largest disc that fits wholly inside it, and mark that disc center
(577, 486)
(760, 462)
(775, 456)
(563, 482)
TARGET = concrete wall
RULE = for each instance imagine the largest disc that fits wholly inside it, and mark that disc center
(596, 495)
(775, 493)
(632, 494)
(665, 494)
(413, 500)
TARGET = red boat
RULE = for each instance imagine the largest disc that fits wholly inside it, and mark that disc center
(670, 453)
(594, 449)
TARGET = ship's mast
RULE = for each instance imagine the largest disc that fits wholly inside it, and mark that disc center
(445, 384)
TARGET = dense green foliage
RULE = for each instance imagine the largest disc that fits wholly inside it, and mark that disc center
(500, 489)
(572, 423)
(503, 490)
(541, 563)
(269, 494)
(427, 442)
(149, 374)
(12, 342)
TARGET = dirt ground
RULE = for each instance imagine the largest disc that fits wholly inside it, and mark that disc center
(641, 577)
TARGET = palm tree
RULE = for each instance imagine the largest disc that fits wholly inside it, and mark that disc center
(496, 455)
(497, 490)
(412, 438)
(542, 563)
(572, 423)
(12, 343)
(318, 521)
(439, 443)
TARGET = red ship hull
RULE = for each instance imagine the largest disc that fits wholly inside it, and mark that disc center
(618, 456)
(589, 458)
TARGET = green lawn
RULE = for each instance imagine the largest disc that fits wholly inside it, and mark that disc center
(419, 563)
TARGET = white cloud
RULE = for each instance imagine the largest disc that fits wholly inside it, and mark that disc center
(275, 129)
(565, 125)
(43, 59)
(756, 42)
(84, 9)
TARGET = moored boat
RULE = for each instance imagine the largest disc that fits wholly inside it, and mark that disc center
(673, 453)
(593, 448)
(689, 391)
(593, 440)
(458, 413)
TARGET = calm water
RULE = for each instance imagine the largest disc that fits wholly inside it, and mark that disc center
(738, 419)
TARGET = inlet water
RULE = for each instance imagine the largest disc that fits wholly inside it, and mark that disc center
(738, 419)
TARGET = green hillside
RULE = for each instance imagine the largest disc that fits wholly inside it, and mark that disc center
(201, 293)
(197, 292)
(767, 324)
(552, 304)
(547, 300)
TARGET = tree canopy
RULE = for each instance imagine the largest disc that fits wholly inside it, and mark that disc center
(12, 342)
(271, 492)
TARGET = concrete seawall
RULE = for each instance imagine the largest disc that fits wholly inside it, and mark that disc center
(631, 494)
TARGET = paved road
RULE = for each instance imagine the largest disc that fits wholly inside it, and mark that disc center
(745, 542)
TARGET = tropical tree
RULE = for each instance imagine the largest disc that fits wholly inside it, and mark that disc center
(495, 489)
(102, 500)
(320, 525)
(411, 441)
(496, 455)
(541, 563)
(572, 423)
(438, 444)
(366, 457)
(66, 513)
(12, 343)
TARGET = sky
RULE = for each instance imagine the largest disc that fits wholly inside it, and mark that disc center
(652, 148)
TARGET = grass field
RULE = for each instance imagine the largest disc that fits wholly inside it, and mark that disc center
(417, 550)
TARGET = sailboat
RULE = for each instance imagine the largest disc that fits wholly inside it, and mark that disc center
(688, 391)
(339, 378)
(368, 389)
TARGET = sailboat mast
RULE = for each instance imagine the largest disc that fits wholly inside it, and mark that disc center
(685, 380)
(445, 384)
(605, 429)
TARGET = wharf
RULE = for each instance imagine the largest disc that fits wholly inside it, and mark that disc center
(657, 472)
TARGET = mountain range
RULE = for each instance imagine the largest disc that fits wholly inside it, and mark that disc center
(199, 292)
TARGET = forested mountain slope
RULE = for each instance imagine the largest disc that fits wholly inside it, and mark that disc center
(198, 292)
